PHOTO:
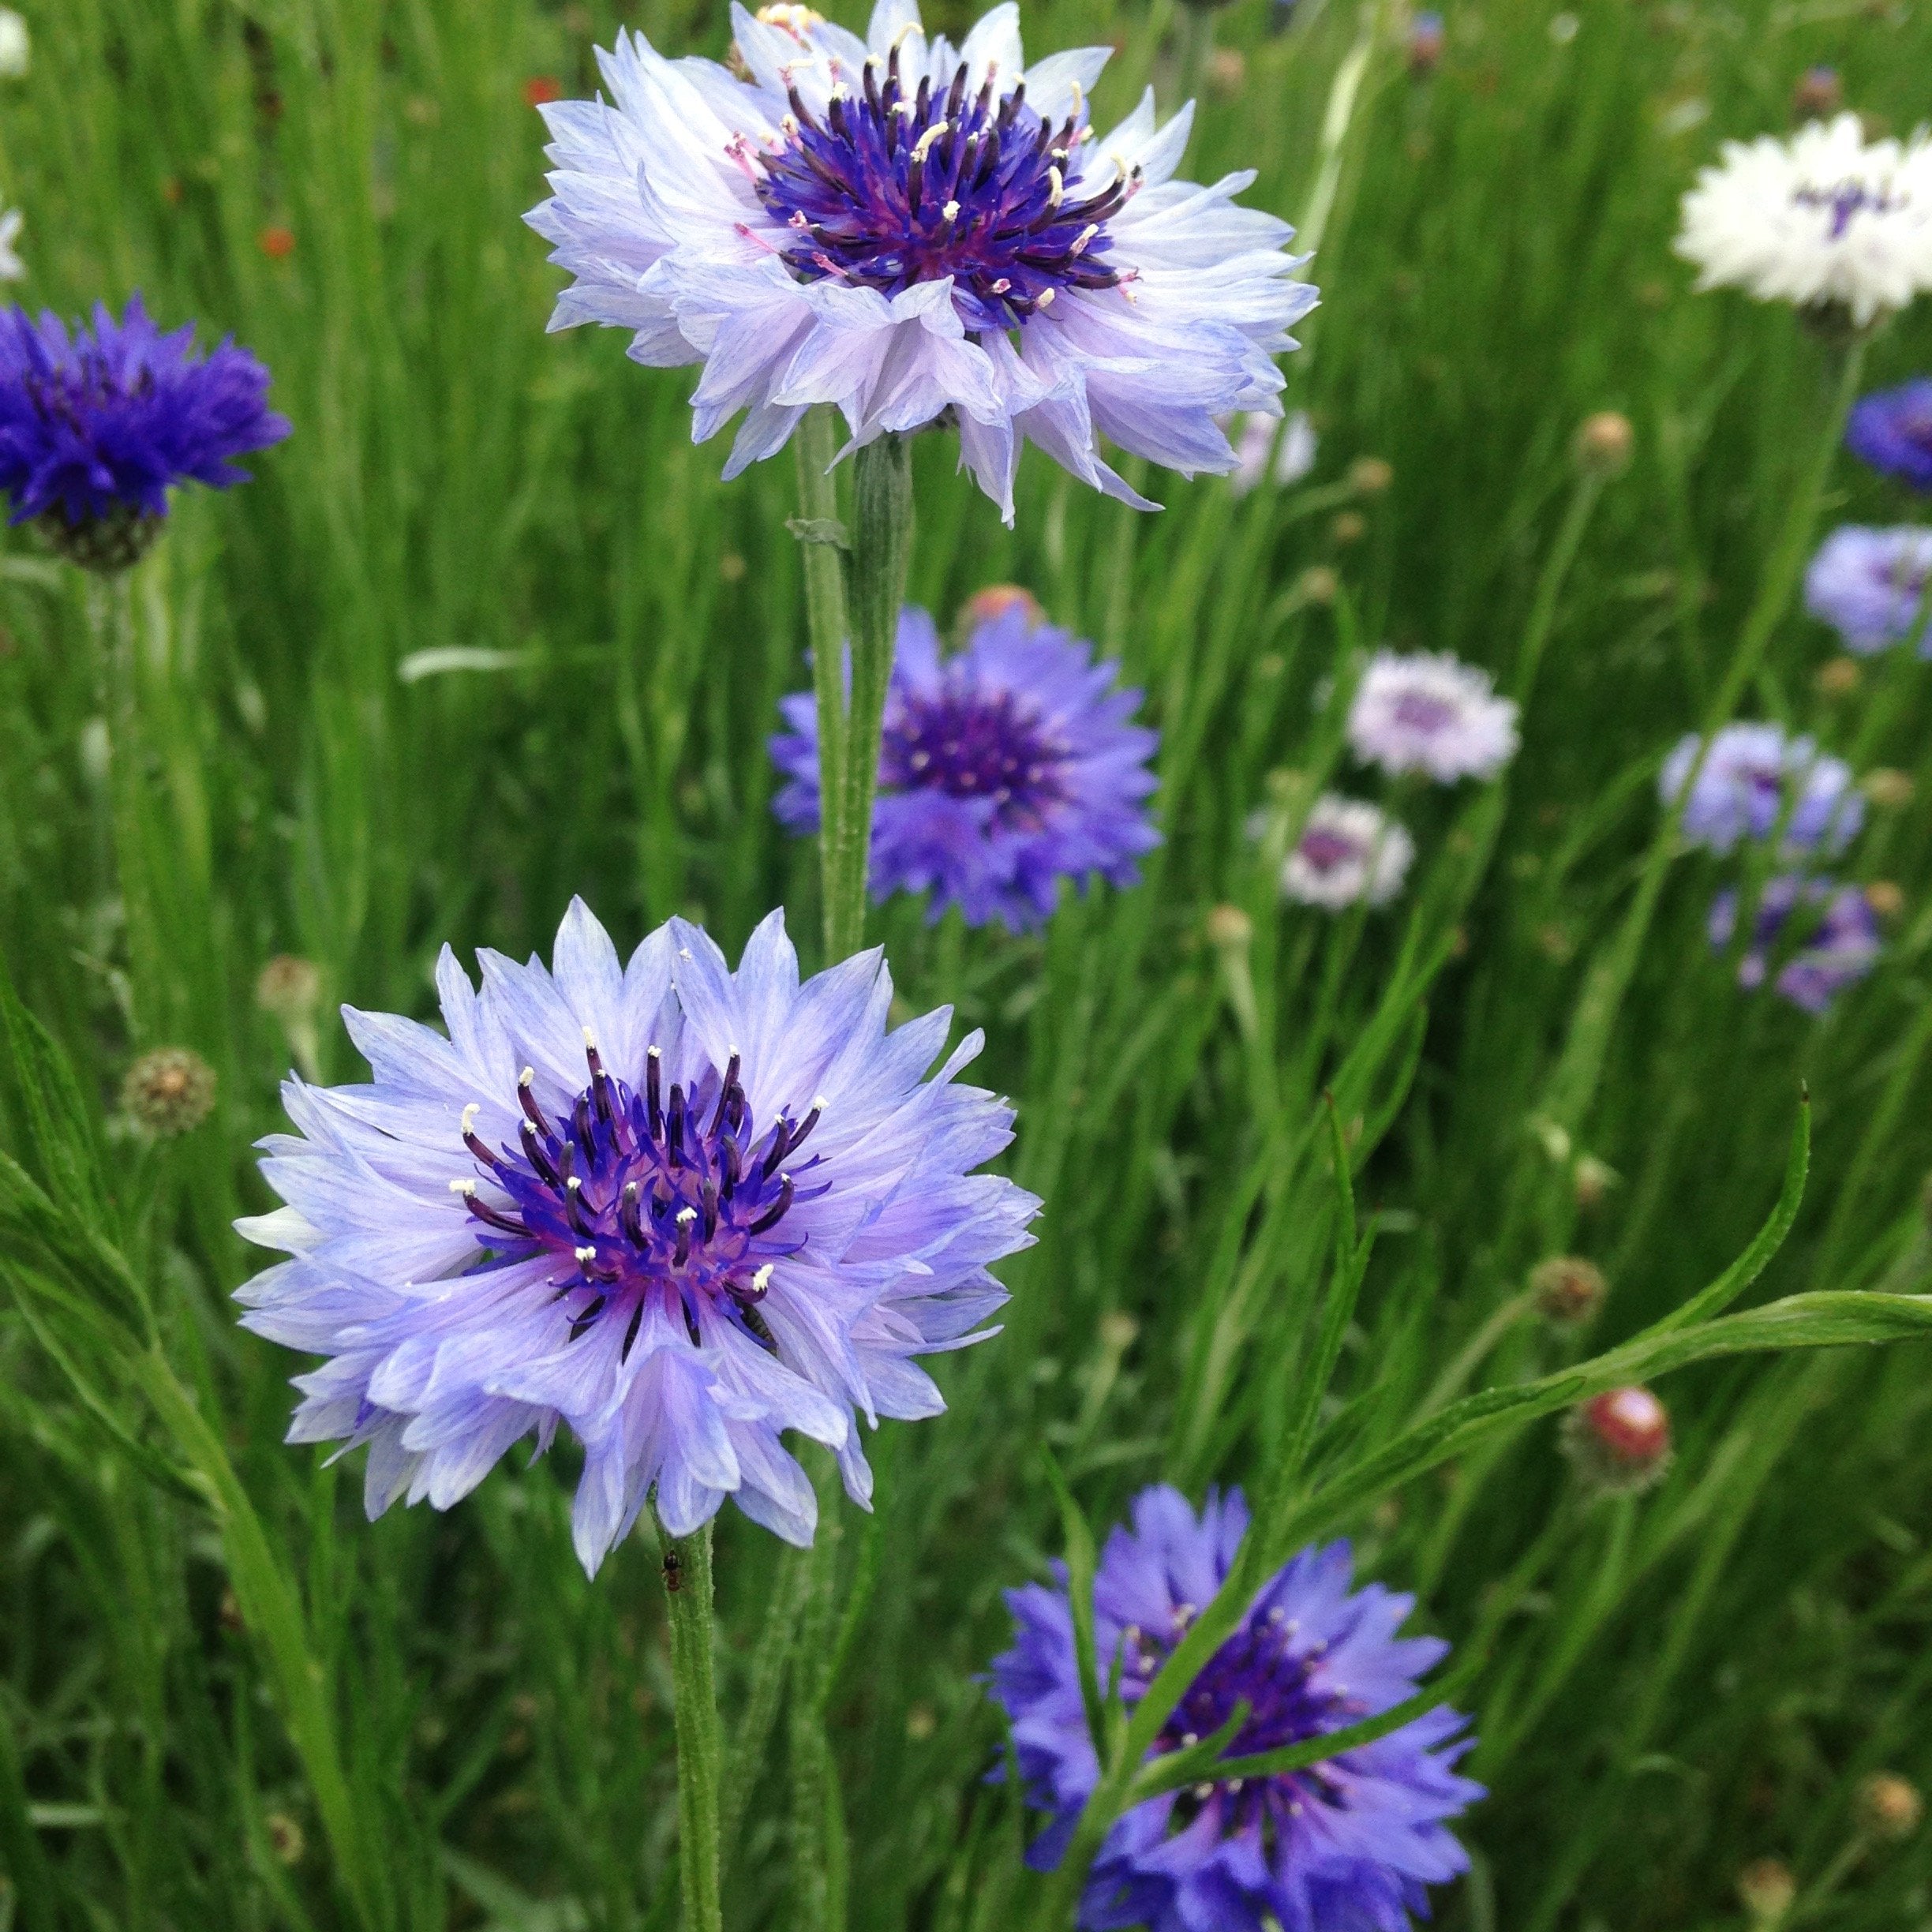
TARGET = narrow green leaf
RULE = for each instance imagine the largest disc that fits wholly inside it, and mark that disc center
(1079, 1563)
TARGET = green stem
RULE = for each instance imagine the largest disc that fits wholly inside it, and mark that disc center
(700, 1745)
(823, 537)
(881, 549)
(1574, 1085)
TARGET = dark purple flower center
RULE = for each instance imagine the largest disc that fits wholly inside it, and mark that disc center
(1325, 850)
(1419, 712)
(677, 1194)
(975, 744)
(891, 189)
(1846, 199)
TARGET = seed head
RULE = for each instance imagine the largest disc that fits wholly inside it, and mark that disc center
(1369, 476)
(1885, 898)
(1568, 1289)
(289, 988)
(1888, 788)
(169, 1092)
(1591, 1181)
(284, 1835)
(1619, 1442)
(1766, 1890)
(1603, 443)
(1889, 1806)
(1838, 677)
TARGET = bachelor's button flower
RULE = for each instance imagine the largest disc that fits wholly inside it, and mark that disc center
(1004, 768)
(1348, 850)
(1431, 712)
(1892, 430)
(97, 425)
(1353, 1840)
(912, 230)
(1291, 445)
(1839, 946)
(1757, 780)
(1824, 220)
(680, 1209)
(1869, 586)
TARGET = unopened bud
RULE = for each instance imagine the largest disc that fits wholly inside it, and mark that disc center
(1592, 1179)
(1227, 71)
(1767, 1891)
(1818, 95)
(1838, 677)
(1369, 476)
(1426, 41)
(1889, 1806)
(1319, 584)
(1350, 527)
(1603, 444)
(290, 988)
(286, 1837)
(1229, 928)
(169, 1092)
(995, 600)
(1889, 787)
(1619, 1442)
(1568, 1289)
(1884, 898)
(1117, 1330)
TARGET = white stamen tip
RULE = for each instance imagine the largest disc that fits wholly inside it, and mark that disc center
(654, 1053)
(925, 140)
(1056, 187)
(761, 1280)
(470, 1113)
(575, 1184)
(819, 1103)
(950, 212)
(687, 1215)
(1046, 298)
(465, 1189)
(527, 1077)
(586, 1255)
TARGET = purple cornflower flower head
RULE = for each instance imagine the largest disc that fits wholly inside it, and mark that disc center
(1892, 430)
(1841, 947)
(97, 424)
(910, 229)
(1869, 586)
(1348, 850)
(1353, 1840)
(681, 1209)
(1004, 768)
(1431, 712)
(1755, 780)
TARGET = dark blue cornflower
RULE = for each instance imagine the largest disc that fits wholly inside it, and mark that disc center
(1840, 946)
(1006, 768)
(97, 423)
(680, 1209)
(1351, 1841)
(1892, 430)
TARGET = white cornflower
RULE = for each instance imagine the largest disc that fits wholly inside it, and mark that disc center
(1822, 218)
(1431, 712)
(1348, 850)
(913, 231)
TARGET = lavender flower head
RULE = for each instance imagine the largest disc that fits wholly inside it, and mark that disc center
(1353, 1840)
(1431, 712)
(1869, 586)
(1755, 780)
(1841, 947)
(680, 1209)
(912, 230)
(97, 424)
(1004, 768)
(1892, 430)
(1348, 850)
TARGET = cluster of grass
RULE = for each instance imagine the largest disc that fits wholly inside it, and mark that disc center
(488, 630)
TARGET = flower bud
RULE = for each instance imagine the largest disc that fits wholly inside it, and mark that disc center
(1591, 1180)
(1767, 1891)
(1888, 1807)
(1426, 40)
(289, 988)
(1568, 1289)
(1319, 584)
(1838, 677)
(286, 1837)
(1227, 71)
(1818, 95)
(1888, 788)
(1603, 444)
(169, 1092)
(1369, 476)
(1619, 1442)
(1229, 928)
(1885, 898)
(1350, 527)
(995, 600)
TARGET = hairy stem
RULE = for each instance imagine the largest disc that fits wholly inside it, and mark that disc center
(700, 1745)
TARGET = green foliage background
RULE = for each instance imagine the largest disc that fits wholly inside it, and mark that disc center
(206, 1653)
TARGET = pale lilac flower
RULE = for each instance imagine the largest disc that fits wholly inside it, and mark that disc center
(1431, 712)
(912, 231)
(1348, 850)
(1840, 948)
(1869, 586)
(1292, 445)
(1757, 780)
(684, 1210)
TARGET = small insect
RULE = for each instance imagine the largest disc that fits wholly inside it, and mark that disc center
(673, 1571)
